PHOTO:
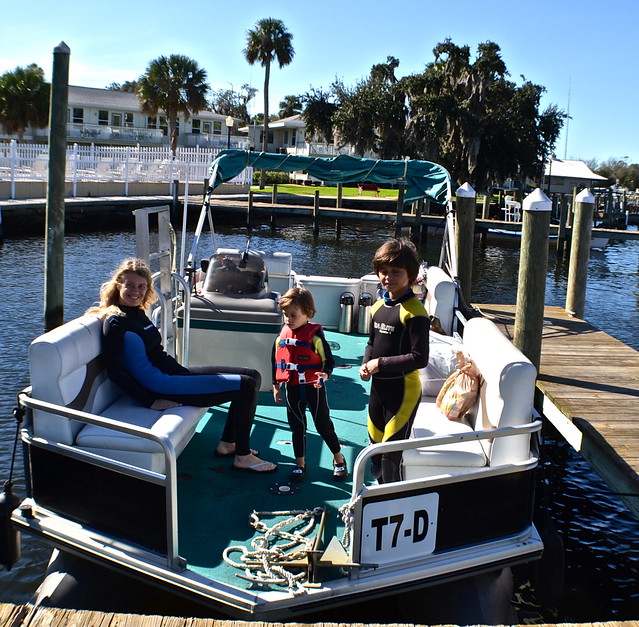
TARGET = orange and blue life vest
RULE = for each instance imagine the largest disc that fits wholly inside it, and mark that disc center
(296, 360)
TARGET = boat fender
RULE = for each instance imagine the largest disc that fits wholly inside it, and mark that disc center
(9, 534)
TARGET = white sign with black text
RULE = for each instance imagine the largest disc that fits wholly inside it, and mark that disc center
(399, 529)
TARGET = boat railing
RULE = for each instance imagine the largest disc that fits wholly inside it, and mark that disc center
(359, 467)
(360, 490)
(165, 314)
(168, 479)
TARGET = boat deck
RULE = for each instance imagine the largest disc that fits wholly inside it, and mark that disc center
(590, 385)
(206, 481)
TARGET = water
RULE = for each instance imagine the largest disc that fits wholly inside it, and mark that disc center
(599, 536)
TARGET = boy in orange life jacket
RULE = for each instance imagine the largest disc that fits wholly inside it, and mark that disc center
(302, 361)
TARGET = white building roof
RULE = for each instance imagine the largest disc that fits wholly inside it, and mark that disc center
(110, 99)
(571, 169)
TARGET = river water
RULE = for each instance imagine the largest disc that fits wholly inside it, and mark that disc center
(600, 538)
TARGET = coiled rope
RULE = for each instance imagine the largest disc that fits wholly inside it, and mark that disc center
(269, 562)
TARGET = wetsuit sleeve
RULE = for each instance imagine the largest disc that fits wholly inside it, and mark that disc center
(328, 364)
(418, 334)
(114, 330)
(368, 350)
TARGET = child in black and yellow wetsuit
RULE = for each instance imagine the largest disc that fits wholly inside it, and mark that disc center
(397, 348)
(302, 361)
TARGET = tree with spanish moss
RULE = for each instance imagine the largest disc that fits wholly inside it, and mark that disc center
(466, 115)
(269, 41)
(372, 115)
(175, 85)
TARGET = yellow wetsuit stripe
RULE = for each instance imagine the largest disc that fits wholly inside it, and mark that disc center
(412, 393)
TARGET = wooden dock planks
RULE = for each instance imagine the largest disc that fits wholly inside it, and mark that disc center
(588, 387)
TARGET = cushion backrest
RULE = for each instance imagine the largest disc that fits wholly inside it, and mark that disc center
(442, 297)
(67, 369)
(507, 391)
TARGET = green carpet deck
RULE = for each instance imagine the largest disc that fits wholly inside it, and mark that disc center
(215, 501)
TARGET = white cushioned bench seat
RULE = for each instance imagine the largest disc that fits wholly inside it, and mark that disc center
(67, 369)
(505, 399)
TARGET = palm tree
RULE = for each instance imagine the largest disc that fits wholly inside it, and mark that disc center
(24, 100)
(291, 105)
(175, 85)
(268, 41)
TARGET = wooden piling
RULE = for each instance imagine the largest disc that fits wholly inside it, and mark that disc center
(316, 213)
(274, 194)
(417, 230)
(485, 209)
(249, 209)
(338, 228)
(338, 202)
(54, 235)
(580, 254)
(464, 236)
(533, 265)
(400, 210)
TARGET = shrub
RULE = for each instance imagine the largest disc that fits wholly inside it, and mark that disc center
(272, 178)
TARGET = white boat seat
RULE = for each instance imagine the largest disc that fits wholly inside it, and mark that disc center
(441, 297)
(67, 369)
(505, 399)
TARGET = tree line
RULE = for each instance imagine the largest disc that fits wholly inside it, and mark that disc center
(461, 111)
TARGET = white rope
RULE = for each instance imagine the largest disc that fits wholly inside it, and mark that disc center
(266, 562)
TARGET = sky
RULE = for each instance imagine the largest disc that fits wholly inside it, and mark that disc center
(585, 53)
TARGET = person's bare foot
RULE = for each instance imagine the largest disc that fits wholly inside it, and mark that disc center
(252, 463)
(227, 449)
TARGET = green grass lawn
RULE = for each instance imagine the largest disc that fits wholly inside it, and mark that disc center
(309, 190)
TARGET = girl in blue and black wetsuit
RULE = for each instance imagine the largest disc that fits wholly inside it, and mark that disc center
(137, 362)
(397, 347)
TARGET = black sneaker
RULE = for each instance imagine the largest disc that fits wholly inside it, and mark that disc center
(298, 474)
(340, 472)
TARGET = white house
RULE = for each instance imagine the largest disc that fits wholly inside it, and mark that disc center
(562, 175)
(103, 116)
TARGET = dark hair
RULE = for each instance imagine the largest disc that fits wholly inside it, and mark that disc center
(300, 297)
(399, 252)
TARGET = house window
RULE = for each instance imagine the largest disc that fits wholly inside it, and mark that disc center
(103, 118)
(293, 138)
(217, 127)
(78, 115)
(270, 137)
(195, 127)
(128, 119)
(151, 122)
(116, 119)
(206, 128)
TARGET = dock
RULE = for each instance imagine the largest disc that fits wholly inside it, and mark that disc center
(588, 387)
(23, 615)
(29, 213)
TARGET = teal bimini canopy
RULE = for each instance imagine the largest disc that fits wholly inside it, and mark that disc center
(423, 179)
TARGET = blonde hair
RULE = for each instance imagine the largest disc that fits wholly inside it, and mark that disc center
(110, 293)
(300, 297)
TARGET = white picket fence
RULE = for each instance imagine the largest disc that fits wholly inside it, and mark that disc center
(29, 162)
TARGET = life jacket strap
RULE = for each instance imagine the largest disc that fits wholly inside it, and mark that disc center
(291, 341)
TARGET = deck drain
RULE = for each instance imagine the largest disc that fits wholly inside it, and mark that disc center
(284, 489)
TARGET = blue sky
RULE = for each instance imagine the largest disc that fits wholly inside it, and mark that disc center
(584, 53)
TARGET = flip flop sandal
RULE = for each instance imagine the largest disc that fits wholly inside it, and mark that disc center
(255, 468)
